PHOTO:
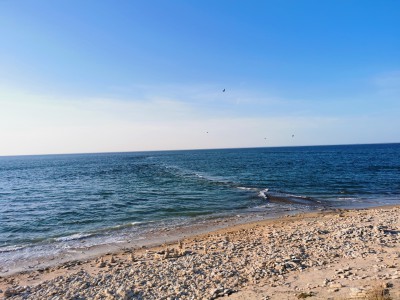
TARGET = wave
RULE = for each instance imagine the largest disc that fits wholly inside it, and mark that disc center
(131, 224)
(212, 179)
(200, 176)
(107, 230)
(247, 188)
(12, 248)
(282, 197)
(263, 194)
(75, 236)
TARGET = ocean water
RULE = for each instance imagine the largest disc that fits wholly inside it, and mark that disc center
(51, 203)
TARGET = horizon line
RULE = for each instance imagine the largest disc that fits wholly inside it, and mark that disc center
(197, 149)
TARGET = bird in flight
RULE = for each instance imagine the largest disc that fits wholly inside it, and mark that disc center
(292, 135)
(223, 90)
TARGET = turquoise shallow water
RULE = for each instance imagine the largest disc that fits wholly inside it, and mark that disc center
(53, 201)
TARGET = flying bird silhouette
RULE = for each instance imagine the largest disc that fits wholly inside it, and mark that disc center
(223, 90)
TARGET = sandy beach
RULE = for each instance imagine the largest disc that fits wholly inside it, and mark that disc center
(341, 254)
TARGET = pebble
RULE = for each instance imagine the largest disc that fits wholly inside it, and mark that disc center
(223, 264)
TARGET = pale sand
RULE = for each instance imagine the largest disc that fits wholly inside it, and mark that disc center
(327, 255)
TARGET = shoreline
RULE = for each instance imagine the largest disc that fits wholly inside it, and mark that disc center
(235, 258)
(152, 238)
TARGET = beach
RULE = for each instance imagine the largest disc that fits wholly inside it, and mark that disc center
(199, 150)
(337, 254)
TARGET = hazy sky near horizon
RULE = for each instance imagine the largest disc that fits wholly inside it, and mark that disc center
(100, 76)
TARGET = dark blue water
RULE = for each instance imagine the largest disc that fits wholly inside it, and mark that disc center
(53, 199)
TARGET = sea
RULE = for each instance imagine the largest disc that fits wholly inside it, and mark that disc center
(52, 204)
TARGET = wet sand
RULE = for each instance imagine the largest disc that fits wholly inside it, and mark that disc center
(341, 254)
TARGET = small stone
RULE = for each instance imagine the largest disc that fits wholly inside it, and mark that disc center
(124, 294)
(356, 292)
(336, 285)
(9, 293)
(180, 244)
(101, 264)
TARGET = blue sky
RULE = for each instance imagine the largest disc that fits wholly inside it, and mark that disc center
(96, 76)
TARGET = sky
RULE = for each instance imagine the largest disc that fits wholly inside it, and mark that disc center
(109, 76)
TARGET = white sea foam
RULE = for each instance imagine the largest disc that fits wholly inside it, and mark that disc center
(297, 196)
(263, 194)
(11, 248)
(127, 225)
(136, 223)
(246, 188)
(76, 236)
